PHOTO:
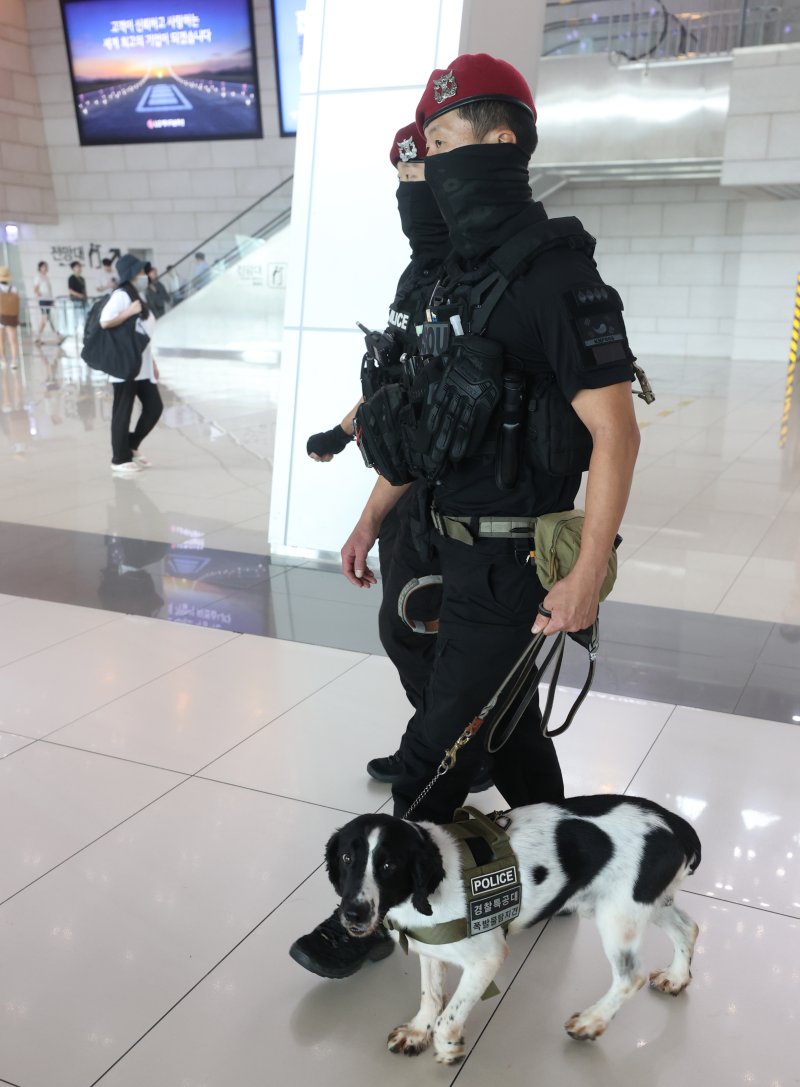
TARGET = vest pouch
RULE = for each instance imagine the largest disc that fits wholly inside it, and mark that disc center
(556, 441)
(557, 543)
(379, 434)
(457, 416)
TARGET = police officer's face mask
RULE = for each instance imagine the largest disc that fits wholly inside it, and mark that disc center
(479, 189)
(422, 222)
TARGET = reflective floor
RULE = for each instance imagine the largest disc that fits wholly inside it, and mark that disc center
(713, 525)
(166, 792)
(167, 788)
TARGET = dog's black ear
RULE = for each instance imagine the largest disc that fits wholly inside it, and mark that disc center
(427, 872)
(332, 861)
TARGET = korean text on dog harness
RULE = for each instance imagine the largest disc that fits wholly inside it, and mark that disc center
(490, 873)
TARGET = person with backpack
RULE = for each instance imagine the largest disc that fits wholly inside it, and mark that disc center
(9, 316)
(125, 307)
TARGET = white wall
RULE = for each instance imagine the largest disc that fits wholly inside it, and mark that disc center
(164, 197)
(762, 132)
(702, 270)
(365, 65)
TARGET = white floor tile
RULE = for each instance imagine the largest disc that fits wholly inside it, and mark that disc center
(734, 1024)
(41, 693)
(102, 947)
(194, 713)
(671, 576)
(54, 801)
(735, 779)
(767, 589)
(318, 751)
(10, 743)
(259, 1015)
(31, 625)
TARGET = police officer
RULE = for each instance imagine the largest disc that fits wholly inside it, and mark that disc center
(328, 950)
(400, 561)
(557, 323)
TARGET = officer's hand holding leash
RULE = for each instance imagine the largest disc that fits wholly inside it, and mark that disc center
(571, 604)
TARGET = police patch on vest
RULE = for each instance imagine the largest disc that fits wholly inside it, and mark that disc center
(399, 320)
(434, 338)
(495, 899)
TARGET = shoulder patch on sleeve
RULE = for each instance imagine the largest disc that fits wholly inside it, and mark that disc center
(596, 311)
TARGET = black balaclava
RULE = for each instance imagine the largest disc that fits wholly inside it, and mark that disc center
(483, 191)
(422, 224)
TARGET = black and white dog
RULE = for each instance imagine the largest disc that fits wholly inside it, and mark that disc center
(618, 858)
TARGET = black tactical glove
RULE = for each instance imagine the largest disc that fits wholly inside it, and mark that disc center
(328, 442)
(461, 404)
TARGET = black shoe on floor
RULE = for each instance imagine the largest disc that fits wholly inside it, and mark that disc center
(331, 952)
(387, 770)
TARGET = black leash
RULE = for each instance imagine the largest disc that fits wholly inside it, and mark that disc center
(523, 680)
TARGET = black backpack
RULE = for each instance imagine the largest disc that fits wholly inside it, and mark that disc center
(114, 351)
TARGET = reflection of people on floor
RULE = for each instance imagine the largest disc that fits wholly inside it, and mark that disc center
(125, 584)
(86, 404)
(13, 416)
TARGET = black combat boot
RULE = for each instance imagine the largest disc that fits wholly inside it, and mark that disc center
(331, 952)
(389, 769)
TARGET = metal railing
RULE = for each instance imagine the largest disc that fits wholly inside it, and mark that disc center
(646, 30)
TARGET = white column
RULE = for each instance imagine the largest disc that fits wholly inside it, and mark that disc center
(365, 65)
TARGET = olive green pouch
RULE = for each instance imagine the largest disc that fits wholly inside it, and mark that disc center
(557, 543)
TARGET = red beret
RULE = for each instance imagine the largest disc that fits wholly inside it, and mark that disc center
(408, 145)
(472, 77)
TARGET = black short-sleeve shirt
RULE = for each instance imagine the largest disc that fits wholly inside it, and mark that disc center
(560, 318)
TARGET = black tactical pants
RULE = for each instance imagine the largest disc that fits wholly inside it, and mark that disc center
(412, 654)
(488, 607)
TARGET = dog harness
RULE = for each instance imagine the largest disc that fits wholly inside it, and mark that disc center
(490, 872)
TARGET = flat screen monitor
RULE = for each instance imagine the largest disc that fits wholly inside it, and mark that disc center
(288, 27)
(156, 71)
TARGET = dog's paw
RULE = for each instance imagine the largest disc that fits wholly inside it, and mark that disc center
(406, 1039)
(665, 982)
(585, 1026)
(449, 1051)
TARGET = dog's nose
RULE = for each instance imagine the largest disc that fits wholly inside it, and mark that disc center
(355, 914)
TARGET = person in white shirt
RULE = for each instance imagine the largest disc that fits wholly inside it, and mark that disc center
(44, 295)
(125, 304)
(106, 281)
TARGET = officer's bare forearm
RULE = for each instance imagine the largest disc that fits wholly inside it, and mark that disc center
(384, 498)
(347, 423)
(608, 414)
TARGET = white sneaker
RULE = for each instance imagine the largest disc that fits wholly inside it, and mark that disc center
(143, 462)
(129, 468)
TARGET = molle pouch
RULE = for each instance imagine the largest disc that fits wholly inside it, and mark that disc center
(434, 339)
(556, 441)
(381, 362)
(379, 436)
(462, 405)
(557, 543)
